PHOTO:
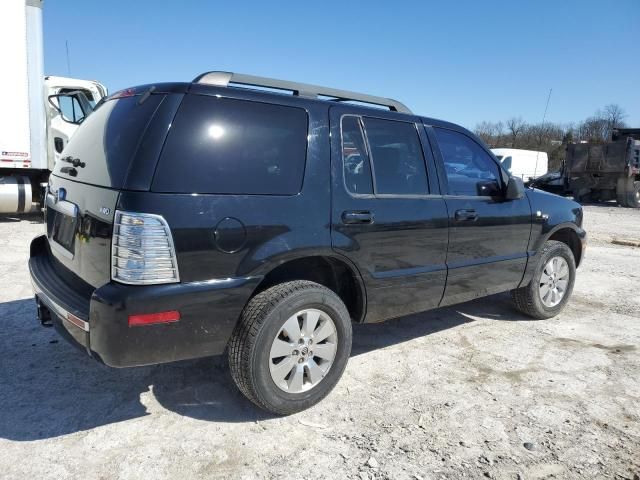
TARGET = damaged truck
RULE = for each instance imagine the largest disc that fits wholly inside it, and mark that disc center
(595, 172)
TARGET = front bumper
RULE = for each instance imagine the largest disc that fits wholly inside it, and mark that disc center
(97, 320)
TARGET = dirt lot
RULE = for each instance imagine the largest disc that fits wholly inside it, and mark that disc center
(474, 391)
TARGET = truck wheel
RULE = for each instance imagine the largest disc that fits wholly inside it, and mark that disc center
(290, 346)
(585, 198)
(552, 283)
(622, 199)
(633, 195)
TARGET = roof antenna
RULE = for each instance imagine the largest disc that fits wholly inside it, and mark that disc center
(66, 42)
(544, 117)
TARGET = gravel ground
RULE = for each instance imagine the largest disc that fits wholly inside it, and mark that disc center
(473, 391)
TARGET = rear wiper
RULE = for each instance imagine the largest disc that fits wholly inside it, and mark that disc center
(74, 161)
(146, 95)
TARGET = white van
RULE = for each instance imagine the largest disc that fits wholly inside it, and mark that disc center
(525, 164)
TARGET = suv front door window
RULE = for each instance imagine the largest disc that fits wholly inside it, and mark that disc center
(488, 235)
(469, 169)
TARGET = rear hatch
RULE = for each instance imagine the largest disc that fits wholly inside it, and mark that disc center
(121, 138)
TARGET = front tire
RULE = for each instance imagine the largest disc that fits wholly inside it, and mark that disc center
(552, 284)
(291, 346)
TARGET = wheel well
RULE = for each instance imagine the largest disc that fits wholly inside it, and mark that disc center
(330, 272)
(569, 237)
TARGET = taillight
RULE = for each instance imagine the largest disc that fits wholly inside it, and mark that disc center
(142, 251)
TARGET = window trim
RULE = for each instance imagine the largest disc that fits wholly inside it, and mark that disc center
(432, 134)
(374, 195)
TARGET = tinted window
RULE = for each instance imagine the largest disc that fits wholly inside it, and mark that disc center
(470, 170)
(398, 162)
(219, 145)
(357, 171)
(107, 140)
(71, 109)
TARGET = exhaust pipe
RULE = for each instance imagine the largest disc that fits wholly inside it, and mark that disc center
(15, 195)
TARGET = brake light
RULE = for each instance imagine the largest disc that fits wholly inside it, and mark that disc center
(151, 318)
(127, 92)
(142, 251)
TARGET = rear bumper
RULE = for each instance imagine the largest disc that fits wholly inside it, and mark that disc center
(97, 320)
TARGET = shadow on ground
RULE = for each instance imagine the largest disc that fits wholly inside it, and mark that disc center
(606, 203)
(33, 217)
(48, 388)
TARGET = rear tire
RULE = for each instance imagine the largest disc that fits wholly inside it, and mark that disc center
(276, 319)
(537, 298)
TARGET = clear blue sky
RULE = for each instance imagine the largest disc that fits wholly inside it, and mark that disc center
(463, 61)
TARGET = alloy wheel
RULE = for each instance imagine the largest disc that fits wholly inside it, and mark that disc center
(303, 351)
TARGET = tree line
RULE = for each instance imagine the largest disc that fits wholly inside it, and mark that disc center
(552, 137)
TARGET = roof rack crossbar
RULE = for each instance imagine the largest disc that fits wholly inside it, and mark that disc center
(225, 79)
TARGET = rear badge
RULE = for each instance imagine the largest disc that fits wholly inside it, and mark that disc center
(105, 210)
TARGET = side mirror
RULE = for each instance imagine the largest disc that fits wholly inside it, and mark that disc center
(515, 189)
(488, 188)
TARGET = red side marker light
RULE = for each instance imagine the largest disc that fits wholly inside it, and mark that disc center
(152, 318)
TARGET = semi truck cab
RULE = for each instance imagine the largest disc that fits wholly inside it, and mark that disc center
(68, 102)
(39, 114)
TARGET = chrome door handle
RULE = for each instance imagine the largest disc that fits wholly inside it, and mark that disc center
(466, 215)
(354, 217)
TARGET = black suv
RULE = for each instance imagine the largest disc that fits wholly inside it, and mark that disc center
(186, 219)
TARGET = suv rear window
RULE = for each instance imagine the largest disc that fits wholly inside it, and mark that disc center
(106, 141)
(226, 146)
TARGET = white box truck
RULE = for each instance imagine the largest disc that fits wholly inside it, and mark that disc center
(524, 164)
(38, 114)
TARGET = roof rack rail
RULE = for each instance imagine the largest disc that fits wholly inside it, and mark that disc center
(225, 79)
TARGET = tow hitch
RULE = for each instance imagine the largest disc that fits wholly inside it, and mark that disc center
(44, 314)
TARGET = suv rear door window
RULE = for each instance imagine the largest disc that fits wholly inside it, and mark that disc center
(226, 146)
(398, 162)
(470, 170)
(391, 148)
(357, 170)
